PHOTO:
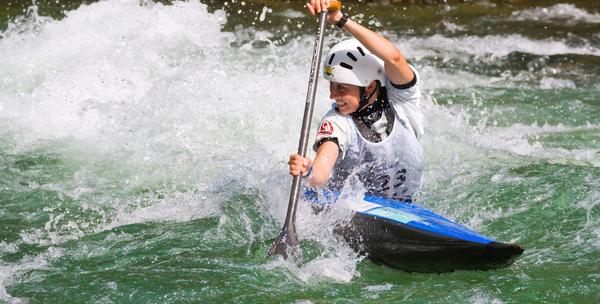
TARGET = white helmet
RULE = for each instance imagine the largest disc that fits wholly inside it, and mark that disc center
(351, 62)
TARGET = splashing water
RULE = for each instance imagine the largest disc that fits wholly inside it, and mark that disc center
(143, 155)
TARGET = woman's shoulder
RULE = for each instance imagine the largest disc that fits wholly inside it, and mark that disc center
(407, 93)
(335, 115)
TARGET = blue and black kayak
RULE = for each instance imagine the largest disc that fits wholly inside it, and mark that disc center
(407, 236)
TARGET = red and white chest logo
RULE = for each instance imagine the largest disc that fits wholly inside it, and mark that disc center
(326, 129)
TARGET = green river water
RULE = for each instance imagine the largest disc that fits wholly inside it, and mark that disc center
(143, 150)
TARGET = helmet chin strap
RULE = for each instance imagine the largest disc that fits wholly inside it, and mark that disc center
(364, 100)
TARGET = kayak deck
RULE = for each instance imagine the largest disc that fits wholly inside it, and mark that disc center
(412, 238)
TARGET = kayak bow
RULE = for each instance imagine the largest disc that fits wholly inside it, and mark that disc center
(412, 238)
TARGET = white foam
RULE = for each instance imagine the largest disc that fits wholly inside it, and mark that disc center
(453, 27)
(596, 232)
(336, 266)
(329, 269)
(8, 247)
(153, 89)
(480, 297)
(337, 261)
(555, 83)
(562, 12)
(379, 288)
(516, 140)
(6, 272)
(143, 87)
(292, 14)
(77, 74)
(435, 79)
(150, 88)
(180, 207)
(27, 263)
(161, 91)
(491, 47)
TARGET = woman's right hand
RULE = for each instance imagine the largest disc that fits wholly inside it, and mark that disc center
(299, 165)
(316, 6)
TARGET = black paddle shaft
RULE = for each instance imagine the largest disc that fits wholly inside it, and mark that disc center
(288, 236)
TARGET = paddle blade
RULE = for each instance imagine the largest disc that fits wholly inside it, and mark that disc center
(287, 244)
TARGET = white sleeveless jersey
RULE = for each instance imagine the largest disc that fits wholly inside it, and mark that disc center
(392, 168)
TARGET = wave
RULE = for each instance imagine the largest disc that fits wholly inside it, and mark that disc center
(161, 116)
(491, 46)
(562, 12)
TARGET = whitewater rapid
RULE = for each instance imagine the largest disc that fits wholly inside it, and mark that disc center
(158, 96)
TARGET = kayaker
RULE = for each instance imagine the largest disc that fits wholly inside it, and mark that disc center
(369, 140)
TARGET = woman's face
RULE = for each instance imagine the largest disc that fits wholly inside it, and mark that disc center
(346, 96)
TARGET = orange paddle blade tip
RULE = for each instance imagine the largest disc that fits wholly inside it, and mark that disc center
(335, 5)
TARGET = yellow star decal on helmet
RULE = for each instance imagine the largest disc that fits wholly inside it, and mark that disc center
(329, 70)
